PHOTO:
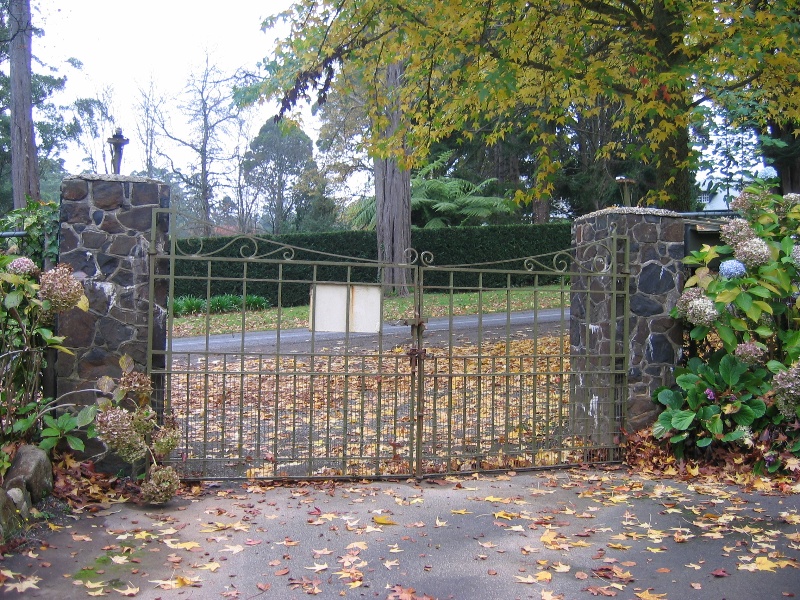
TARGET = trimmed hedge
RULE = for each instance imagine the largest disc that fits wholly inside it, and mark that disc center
(224, 272)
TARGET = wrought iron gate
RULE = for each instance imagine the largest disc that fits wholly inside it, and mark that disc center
(466, 368)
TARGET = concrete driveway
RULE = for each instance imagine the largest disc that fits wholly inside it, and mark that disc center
(557, 534)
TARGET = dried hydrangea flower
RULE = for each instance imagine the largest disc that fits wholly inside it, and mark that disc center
(732, 268)
(744, 202)
(786, 385)
(688, 295)
(138, 384)
(753, 253)
(791, 198)
(166, 440)
(701, 311)
(60, 288)
(796, 256)
(117, 430)
(161, 485)
(23, 266)
(736, 231)
(751, 353)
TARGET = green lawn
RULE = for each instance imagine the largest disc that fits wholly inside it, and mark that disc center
(396, 308)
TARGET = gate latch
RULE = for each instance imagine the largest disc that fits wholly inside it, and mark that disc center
(414, 355)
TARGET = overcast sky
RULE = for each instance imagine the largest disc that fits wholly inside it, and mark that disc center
(125, 43)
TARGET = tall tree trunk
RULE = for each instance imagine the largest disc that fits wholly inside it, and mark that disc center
(24, 165)
(672, 170)
(393, 203)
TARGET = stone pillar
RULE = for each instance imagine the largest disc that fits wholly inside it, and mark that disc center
(655, 270)
(106, 237)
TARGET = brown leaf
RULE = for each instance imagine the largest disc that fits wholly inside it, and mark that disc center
(720, 573)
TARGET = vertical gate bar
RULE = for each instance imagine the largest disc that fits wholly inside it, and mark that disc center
(379, 409)
(259, 456)
(311, 359)
(479, 370)
(450, 415)
(206, 374)
(277, 364)
(242, 378)
(507, 368)
(346, 389)
(328, 403)
(379, 386)
(417, 369)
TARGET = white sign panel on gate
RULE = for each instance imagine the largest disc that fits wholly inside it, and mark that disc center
(342, 308)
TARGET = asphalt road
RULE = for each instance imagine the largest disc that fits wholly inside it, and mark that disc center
(465, 329)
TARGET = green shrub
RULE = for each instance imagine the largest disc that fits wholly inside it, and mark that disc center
(188, 305)
(224, 303)
(253, 302)
(748, 391)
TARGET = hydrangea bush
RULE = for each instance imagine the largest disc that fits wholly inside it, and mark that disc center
(747, 391)
(127, 424)
(30, 299)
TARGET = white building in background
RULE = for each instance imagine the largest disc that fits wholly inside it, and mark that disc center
(716, 194)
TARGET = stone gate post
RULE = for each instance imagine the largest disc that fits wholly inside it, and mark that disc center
(656, 250)
(105, 235)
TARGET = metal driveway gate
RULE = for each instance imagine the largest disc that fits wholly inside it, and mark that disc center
(468, 368)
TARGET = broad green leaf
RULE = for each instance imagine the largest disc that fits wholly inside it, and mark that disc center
(686, 382)
(728, 337)
(703, 442)
(75, 443)
(13, 299)
(728, 296)
(764, 306)
(739, 324)
(660, 429)
(670, 398)
(760, 291)
(745, 416)
(676, 439)
(731, 370)
(699, 332)
(682, 419)
(753, 313)
(743, 301)
(763, 331)
(733, 435)
(714, 425)
(86, 415)
(48, 443)
(758, 407)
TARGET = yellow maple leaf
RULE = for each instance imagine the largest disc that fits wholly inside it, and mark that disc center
(381, 520)
(460, 511)
(174, 544)
(545, 576)
(765, 564)
(505, 515)
(646, 595)
(127, 591)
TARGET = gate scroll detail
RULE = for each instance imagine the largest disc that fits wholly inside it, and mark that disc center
(480, 367)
